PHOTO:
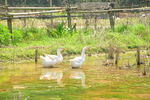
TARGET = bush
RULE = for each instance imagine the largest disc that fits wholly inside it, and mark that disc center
(121, 28)
(130, 36)
(60, 31)
(17, 36)
(32, 33)
(4, 35)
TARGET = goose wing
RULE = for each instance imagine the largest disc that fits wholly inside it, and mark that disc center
(77, 59)
(43, 57)
(52, 56)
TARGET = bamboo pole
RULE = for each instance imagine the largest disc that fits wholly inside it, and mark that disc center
(96, 11)
(40, 16)
(34, 13)
(146, 9)
(39, 8)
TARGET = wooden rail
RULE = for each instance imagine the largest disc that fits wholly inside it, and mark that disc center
(146, 9)
(31, 13)
(39, 16)
(68, 10)
(38, 8)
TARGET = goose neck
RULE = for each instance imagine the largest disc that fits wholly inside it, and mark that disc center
(59, 53)
(83, 53)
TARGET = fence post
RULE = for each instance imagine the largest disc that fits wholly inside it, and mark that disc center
(24, 20)
(6, 2)
(36, 56)
(110, 52)
(51, 4)
(9, 24)
(95, 23)
(138, 56)
(95, 26)
(86, 23)
(112, 20)
(9, 20)
(117, 56)
(68, 14)
(144, 71)
(69, 17)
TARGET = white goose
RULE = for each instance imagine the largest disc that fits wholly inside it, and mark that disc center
(51, 60)
(78, 61)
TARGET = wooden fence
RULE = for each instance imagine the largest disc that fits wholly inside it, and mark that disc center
(69, 12)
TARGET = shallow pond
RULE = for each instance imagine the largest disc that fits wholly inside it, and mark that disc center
(33, 82)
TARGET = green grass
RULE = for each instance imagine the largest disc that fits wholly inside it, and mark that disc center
(25, 40)
(120, 96)
(67, 93)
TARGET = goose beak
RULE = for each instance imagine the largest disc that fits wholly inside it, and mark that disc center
(88, 48)
(62, 49)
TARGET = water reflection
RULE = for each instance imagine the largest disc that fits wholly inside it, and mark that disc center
(31, 71)
(52, 74)
(58, 74)
(78, 74)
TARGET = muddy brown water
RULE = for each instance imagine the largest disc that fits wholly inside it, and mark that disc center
(93, 72)
(19, 73)
(30, 76)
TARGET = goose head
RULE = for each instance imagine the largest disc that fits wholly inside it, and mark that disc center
(60, 49)
(84, 49)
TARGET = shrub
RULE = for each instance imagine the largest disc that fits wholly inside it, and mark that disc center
(60, 31)
(32, 33)
(17, 36)
(4, 35)
(121, 28)
(133, 35)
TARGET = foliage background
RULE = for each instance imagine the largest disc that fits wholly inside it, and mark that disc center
(61, 2)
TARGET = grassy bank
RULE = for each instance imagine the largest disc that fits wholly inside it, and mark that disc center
(26, 40)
